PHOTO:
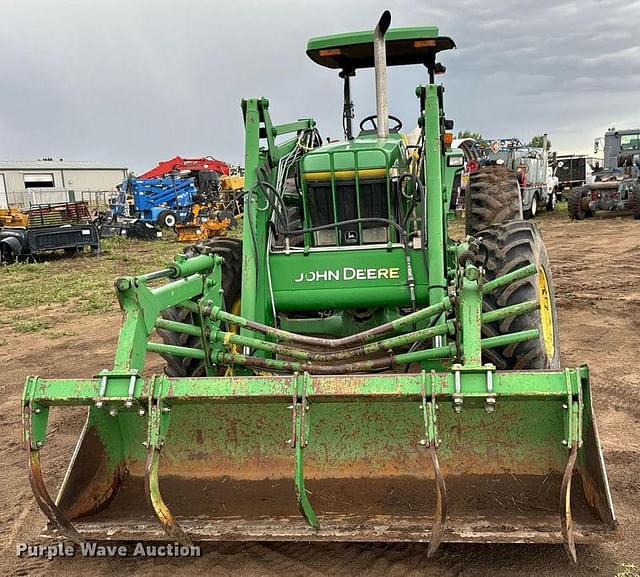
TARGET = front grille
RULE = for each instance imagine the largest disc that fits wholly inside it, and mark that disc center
(373, 204)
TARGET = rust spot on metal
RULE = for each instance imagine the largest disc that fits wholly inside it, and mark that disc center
(61, 523)
(91, 483)
(568, 532)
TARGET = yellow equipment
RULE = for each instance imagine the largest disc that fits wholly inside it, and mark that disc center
(213, 220)
(205, 223)
(12, 217)
(232, 182)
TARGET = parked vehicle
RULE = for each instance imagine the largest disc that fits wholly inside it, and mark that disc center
(61, 226)
(617, 186)
(573, 171)
(162, 201)
(214, 214)
(185, 202)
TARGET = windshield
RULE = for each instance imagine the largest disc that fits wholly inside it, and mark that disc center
(630, 141)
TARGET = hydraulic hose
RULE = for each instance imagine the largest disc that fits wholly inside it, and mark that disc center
(343, 368)
(369, 335)
(363, 337)
(363, 350)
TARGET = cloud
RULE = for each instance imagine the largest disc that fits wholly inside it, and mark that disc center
(135, 82)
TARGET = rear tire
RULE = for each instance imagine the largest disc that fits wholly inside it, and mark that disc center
(7, 256)
(577, 204)
(505, 248)
(492, 196)
(231, 250)
(635, 200)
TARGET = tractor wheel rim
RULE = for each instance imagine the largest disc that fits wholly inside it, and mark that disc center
(534, 206)
(546, 314)
(170, 220)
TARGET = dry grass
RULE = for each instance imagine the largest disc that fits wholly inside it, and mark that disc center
(82, 283)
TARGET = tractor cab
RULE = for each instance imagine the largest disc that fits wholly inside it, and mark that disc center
(363, 181)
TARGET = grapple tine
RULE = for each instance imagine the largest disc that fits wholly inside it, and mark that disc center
(160, 508)
(568, 532)
(44, 500)
(440, 514)
(300, 440)
(157, 429)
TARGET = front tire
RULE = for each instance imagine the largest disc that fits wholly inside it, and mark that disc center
(505, 248)
(7, 255)
(552, 200)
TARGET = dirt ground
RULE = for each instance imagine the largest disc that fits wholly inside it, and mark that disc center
(596, 268)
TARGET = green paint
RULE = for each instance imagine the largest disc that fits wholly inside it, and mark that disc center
(176, 350)
(245, 419)
(435, 213)
(470, 311)
(346, 279)
(366, 37)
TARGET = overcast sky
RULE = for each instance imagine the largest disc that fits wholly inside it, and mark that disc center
(132, 82)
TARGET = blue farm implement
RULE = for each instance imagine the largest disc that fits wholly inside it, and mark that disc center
(163, 201)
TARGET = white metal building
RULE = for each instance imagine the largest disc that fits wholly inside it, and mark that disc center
(42, 181)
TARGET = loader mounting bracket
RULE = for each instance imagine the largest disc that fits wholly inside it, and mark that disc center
(130, 378)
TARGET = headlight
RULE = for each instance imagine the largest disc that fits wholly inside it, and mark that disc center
(456, 160)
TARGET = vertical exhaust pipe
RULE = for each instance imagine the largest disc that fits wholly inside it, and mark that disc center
(380, 62)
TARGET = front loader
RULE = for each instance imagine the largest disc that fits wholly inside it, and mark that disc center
(346, 371)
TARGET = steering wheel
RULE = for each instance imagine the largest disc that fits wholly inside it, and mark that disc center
(372, 119)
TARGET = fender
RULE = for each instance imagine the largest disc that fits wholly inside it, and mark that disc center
(13, 243)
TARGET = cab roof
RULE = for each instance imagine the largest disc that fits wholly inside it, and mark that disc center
(353, 50)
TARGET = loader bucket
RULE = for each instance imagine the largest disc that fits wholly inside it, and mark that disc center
(387, 457)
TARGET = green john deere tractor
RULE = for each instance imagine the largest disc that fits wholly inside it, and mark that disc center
(346, 371)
